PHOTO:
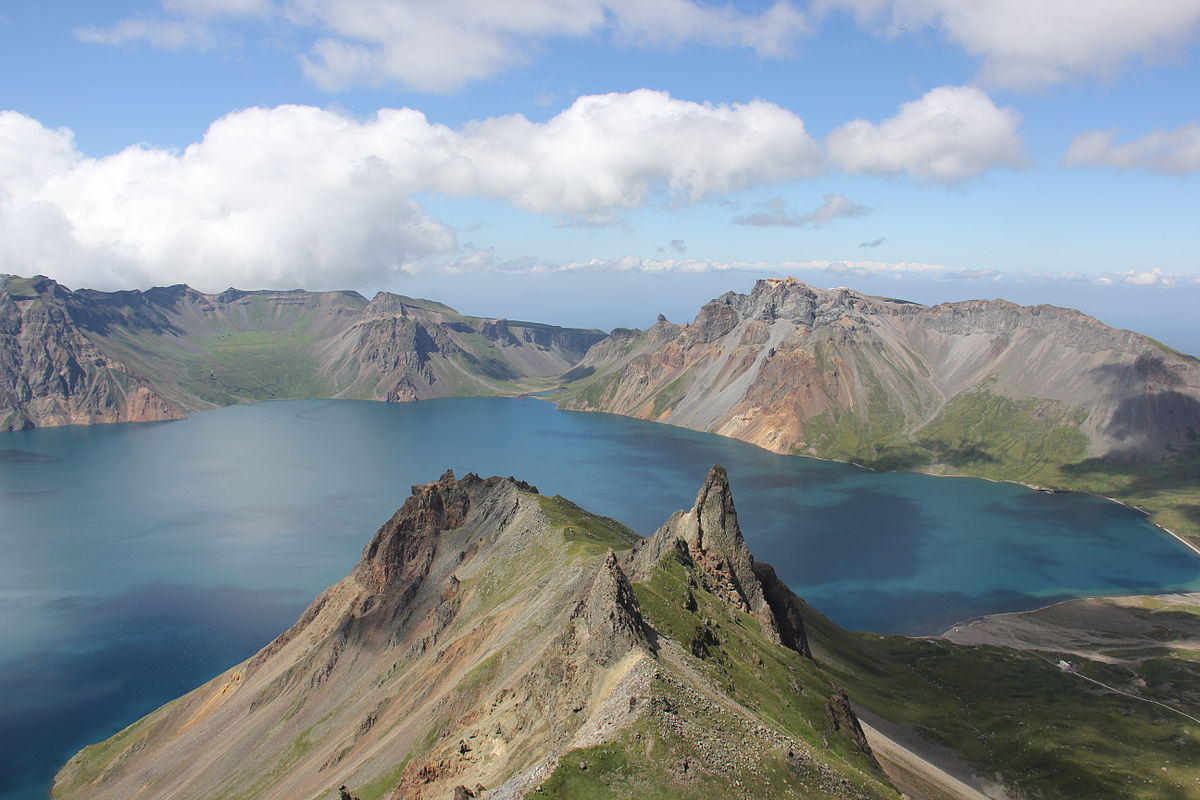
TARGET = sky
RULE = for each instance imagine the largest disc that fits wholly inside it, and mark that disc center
(595, 162)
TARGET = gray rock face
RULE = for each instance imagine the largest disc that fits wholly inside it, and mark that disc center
(710, 537)
(614, 621)
(835, 373)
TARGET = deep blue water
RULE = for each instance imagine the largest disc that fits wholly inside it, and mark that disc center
(137, 561)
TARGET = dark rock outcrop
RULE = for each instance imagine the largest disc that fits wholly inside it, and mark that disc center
(842, 718)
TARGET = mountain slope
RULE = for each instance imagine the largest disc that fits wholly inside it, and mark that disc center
(1038, 394)
(487, 633)
(75, 357)
(493, 642)
(839, 374)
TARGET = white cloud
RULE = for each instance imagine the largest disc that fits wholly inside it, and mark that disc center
(1029, 43)
(439, 47)
(673, 23)
(1175, 152)
(300, 196)
(948, 135)
(1154, 277)
(840, 269)
(614, 151)
(776, 213)
(165, 34)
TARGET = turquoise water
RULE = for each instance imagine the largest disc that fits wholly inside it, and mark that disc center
(140, 560)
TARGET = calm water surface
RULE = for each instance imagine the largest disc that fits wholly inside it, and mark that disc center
(137, 561)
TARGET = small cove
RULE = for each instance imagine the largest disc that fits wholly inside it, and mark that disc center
(140, 560)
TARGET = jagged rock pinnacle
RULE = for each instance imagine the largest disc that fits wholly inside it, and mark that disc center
(713, 540)
(615, 624)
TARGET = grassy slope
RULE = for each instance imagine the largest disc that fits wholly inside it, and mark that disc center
(981, 434)
(784, 691)
(1014, 713)
(1011, 713)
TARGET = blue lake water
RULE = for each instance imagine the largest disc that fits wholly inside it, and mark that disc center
(137, 561)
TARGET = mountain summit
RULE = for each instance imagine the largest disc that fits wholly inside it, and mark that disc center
(495, 642)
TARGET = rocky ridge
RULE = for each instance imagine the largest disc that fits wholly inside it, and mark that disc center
(496, 643)
(80, 357)
(979, 384)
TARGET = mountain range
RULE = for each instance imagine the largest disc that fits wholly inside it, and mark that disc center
(1041, 395)
(80, 357)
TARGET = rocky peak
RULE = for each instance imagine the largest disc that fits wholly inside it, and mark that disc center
(29, 288)
(385, 304)
(402, 550)
(710, 534)
(614, 620)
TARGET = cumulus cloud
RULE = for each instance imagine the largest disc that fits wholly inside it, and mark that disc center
(1030, 43)
(950, 134)
(873, 242)
(776, 213)
(1175, 152)
(1154, 277)
(297, 195)
(442, 46)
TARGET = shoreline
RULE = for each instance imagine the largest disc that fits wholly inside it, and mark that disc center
(968, 623)
(545, 395)
(1189, 544)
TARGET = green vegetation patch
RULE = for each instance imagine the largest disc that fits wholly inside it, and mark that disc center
(669, 396)
(19, 288)
(590, 393)
(781, 686)
(650, 761)
(994, 436)
(1051, 734)
(93, 761)
(656, 759)
(256, 365)
(381, 786)
(589, 534)
(870, 440)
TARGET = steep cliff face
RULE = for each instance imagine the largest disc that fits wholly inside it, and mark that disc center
(405, 349)
(51, 373)
(896, 384)
(70, 357)
(494, 642)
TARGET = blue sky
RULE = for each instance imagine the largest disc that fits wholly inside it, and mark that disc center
(596, 161)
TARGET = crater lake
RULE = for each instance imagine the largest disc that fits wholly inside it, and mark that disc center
(140, 560)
